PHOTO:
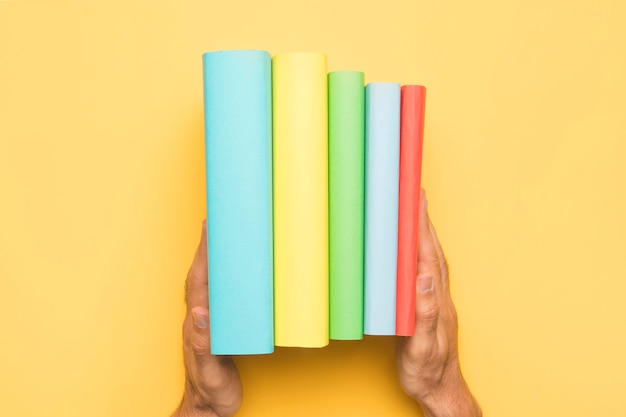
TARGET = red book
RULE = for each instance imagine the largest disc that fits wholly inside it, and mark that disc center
(413, 103)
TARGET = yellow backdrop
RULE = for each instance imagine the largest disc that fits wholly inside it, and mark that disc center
(102, 196)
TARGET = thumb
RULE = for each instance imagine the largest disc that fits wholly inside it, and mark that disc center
(200, 339)
(427, 306)
(428, 279)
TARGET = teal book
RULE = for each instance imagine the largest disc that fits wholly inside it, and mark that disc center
(238, 133)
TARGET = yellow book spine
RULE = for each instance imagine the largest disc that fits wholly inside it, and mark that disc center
(300, 121)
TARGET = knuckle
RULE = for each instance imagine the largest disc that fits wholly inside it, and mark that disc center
(430, 264)
(200, 344)
(421, 353)
(428, 312)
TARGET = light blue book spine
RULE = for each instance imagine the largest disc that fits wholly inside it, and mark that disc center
(382, 156)
(238, 132)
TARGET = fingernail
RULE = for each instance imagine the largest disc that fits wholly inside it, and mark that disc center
(201, 322)
(425, 285)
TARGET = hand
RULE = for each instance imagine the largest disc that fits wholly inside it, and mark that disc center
(213, 387)
(428, 362)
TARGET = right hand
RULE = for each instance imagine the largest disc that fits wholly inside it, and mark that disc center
(428, 361)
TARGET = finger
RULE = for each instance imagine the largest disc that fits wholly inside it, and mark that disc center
(199, 335)
(428, 278)
(197, 284)
(427, 256)
(443, 263)
(197, 348)
(447, 314)
(213, 378)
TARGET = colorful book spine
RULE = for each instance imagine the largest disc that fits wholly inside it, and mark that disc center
(238, 131)
(382, 144)
(413, 101)
(300, 120)
(346, 158)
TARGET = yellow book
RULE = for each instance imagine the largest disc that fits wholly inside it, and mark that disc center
(300, 121)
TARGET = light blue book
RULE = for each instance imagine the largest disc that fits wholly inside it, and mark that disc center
(238, 132)
(382, 156)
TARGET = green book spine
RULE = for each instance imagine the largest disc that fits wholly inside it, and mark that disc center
(346, 159)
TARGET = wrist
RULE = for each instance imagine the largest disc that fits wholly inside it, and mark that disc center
(451, 399)
(191, 406)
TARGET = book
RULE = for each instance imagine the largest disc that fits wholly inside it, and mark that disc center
(382, 147)
(238, 133)
(300, 123)
(412, 107)
(346, 159)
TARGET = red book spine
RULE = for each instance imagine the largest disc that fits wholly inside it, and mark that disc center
(413, 103)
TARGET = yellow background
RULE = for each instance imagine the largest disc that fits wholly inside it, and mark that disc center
(102, 195)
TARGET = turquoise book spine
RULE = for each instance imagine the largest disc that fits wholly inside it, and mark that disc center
(238, 133)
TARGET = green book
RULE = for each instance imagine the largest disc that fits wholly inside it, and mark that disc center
(346, 156)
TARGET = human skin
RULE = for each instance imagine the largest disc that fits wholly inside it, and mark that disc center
(428, 362)
(212, 384)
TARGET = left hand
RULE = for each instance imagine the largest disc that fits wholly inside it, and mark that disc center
(213, 387)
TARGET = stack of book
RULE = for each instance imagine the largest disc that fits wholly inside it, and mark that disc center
(313, 184)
